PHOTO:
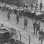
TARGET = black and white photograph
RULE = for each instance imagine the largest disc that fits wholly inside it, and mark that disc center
(21, 21)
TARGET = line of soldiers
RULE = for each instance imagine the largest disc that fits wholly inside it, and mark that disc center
(17, 12)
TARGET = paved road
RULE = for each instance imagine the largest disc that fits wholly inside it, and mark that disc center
(12, 21)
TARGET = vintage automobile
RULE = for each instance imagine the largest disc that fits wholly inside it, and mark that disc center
(6, 35)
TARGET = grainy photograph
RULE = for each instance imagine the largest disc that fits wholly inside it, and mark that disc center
(21, 21)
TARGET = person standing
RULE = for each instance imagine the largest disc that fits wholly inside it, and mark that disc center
(8, 15)
(34, 26)
(25, 22)
(25, 16)
(9, 12)
(17, 17)
(38, 28)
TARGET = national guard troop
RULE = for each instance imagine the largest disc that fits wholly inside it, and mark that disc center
(8, 15)
(9, 12)
(34, 26)
(25, 23)
(25, 18)
(17, 16)
(38, 28)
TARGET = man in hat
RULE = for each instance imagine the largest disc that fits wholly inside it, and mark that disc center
(34, 26)
(38, 28)
(25, 22)
(9, 14)
(17, 17)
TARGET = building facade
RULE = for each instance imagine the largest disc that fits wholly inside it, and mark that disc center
(41, 1)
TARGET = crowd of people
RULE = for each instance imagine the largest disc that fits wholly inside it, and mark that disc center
(19, 13)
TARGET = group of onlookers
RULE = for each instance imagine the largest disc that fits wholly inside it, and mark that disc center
(19, 13)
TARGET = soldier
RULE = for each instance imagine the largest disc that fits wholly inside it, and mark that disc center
(40, 6)
(9, 14)
(34, 25)
(25, 23)
(17, 17)
(38, 28)
(15, 11)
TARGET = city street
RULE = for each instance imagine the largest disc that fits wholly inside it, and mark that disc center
(20, 26)
(30, 17)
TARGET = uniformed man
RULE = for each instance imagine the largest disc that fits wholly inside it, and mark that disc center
(25, 23)
(8, 15)
(17, 17)
(40, 6)
(25, 18)
(38, 28)
(34, 26)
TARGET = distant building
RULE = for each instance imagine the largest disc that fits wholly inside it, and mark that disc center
(41, 1)
(28, 2)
